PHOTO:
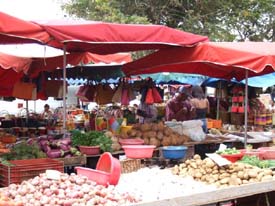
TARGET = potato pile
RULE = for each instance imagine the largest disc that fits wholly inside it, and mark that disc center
(231, 175)
(156, 134)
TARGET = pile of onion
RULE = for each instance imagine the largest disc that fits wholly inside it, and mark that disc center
(68, 190)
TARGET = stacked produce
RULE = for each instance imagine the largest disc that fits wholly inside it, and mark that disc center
(57, 148)
(115, 141)
(231, 175)
(156, 134)
(152, 184)
(66, 190)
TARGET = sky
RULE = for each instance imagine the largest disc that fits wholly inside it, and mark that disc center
(32, 10)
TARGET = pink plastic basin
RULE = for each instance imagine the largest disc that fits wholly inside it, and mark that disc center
(100, 177)
(109, 164)
(269, 152)
(139, 151)
(131, 141)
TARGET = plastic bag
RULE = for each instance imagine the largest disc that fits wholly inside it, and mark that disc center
(193, 129)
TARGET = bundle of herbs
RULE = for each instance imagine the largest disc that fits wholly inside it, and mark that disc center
(92, 138)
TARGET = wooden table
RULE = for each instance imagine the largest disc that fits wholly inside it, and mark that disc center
(217, 196)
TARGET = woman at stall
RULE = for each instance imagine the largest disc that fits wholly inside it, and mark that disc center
(180, 108)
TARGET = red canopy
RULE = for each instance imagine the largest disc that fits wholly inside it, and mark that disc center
(108, 38)
(221, 60)
(51, 63)
(12, 68)
(14, 30)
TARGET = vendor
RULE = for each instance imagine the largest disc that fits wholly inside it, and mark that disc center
(147, 113)
(47, 113)
(200, 102)
(180, 108)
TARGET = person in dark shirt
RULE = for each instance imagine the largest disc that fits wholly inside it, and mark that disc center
(179, 108)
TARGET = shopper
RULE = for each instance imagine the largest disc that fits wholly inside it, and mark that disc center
(47, 113)
(180, 108)
(147, 113)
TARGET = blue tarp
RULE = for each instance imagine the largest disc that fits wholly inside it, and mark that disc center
(267, 80)
(175, 78)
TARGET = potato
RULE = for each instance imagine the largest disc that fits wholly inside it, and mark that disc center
(245, 182)
(154, 127)
(160, 135)
(138, 134)
(166, 141)
(146, 141)
(224, 180)
(154, 141)
(194, 165)
(234, 181)
(197, 157)
(267, 171)
(267, 178)
(198, 175)
(260, 176)
(252, 173)
(240, 174)
(160, 126)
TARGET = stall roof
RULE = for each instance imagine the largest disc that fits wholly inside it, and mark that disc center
(215, 59)
(14, 30)
(107, 38)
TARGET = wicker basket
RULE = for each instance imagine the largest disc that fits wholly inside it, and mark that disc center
(73, 161)
(130, 165)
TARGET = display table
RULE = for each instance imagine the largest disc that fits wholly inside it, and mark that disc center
(216, 196)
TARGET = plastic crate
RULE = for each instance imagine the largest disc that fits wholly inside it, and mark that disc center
(25, 169)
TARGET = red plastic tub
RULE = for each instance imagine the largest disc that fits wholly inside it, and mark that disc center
(131, 141)
(89, 150)
(269, 153)
(100, 177)
(232, 157)
(139, 151)
(108, 163)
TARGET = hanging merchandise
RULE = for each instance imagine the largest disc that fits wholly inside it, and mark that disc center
(104, 94)
(118, 94)
(149, 96)
(125, 100)
(24, 90)
(86, 93)
(156, 95)
(54, 88)
(150, 93)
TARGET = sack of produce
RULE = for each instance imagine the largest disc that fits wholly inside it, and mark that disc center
(193, 129)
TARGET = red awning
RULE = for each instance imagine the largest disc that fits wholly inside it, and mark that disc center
(14, 30)
(221, 60)
(12, 68)
(108, 38)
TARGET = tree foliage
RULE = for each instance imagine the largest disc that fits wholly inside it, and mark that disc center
(220, 20)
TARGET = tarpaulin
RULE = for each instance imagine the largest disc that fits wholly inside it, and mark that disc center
(215, 59)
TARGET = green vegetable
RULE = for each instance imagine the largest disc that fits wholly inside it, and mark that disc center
(229, 151)
(255, 161)
(22, 151)
(92, 138)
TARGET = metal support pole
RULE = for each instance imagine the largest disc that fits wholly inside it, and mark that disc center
(218, 99)
(64, 87)
(246, 108)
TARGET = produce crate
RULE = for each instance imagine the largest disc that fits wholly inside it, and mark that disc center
(25, 169)
(130, 165)
(73, 161)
